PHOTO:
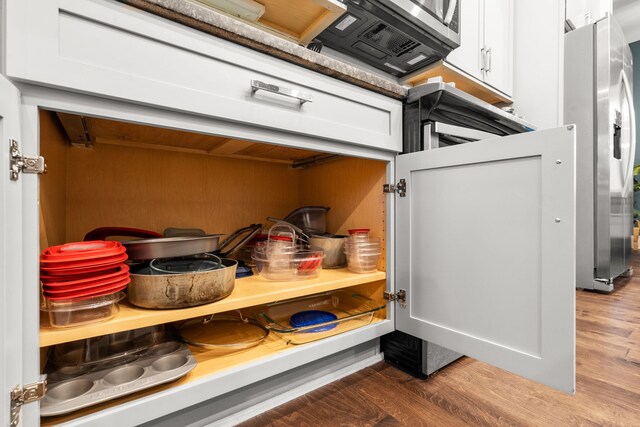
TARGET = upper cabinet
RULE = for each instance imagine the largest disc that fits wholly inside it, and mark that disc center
(497, 49)
(468, 56)
(583, 12)
(486, 47)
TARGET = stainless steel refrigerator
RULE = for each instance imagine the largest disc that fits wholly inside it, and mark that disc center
(598, 99)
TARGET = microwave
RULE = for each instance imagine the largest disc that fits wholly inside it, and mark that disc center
(396, 36)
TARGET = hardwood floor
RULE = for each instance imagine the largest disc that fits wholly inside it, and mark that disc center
(470, 392)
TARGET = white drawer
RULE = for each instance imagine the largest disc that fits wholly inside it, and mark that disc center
(109, 49)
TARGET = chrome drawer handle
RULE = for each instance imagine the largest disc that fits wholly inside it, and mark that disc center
(257, 85)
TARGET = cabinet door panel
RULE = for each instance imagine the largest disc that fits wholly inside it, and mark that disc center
(10, 251)
(498, 44)
(486, 252)
(467, 56)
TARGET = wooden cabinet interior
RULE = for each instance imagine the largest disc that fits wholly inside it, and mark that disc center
(152, 178)
(211, 365)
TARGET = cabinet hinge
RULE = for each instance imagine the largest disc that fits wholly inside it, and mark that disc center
(23, 395)
(400, 188)
(400, 296)
(19, 163)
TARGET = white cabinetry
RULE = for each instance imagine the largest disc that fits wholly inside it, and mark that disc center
(583, 12)
(468, 56)
(486, 47)
(104, 60)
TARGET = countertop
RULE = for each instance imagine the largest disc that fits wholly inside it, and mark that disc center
(207, 20)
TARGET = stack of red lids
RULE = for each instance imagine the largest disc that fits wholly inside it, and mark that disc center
(83, 270)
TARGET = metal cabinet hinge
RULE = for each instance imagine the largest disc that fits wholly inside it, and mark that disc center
(400, 296)
(19, 163)
(23, 395)
(400, 188)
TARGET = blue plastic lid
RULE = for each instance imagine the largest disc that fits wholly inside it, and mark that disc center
(243, 271)
(313, 317)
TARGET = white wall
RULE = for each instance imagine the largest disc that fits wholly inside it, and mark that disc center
(538, 49)
(627, 13)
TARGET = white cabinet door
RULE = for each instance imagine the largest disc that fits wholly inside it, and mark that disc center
(498, 44)
(485, 242)
(10, 252)
(467, 57)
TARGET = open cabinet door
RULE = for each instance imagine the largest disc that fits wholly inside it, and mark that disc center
(10, 253)
(486, 252)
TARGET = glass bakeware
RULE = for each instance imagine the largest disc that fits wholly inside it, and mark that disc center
(223, 334)
(352, 310)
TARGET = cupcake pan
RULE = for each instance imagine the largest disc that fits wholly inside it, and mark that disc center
(165, 362)
(78, 357)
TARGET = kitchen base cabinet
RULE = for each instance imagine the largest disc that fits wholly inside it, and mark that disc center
(109, 173)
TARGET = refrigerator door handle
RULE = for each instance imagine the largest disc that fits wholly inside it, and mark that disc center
(632, 128)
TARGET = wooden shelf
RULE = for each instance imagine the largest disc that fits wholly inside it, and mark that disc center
(207, 365)
(463, 81)
(248, 292)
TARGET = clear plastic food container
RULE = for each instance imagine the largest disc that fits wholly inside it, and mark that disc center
(349, 310)
(291, 266)
(358, 234)
(279, 258)
(363, 263)
(70, 313)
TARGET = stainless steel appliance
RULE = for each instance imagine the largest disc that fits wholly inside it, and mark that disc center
(396, 36)
(437, 115)
(599, 100)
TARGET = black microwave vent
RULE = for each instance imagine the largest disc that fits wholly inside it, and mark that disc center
(388, 39)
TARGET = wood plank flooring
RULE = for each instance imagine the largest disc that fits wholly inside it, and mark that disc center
(470, 392)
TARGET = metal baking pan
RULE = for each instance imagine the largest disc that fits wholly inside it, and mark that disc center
(164, 363)
(75, 358)
(170, 247)
(162, 291)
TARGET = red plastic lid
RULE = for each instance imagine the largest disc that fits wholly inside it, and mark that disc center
(358, 230)
(281, 238)
(55, 281)
(92, 275)
(82, 250)
(53, 260)
(57, 287)
(72, 265)
(95, 292)
(83, 269)
(55, 290)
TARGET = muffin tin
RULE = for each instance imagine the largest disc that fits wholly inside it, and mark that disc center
(162, 363)
(75, 358)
